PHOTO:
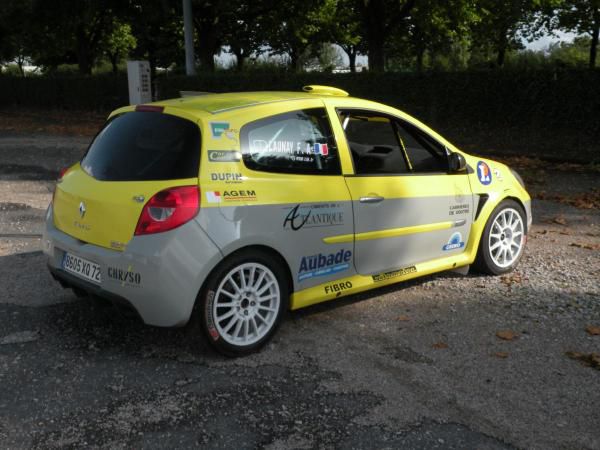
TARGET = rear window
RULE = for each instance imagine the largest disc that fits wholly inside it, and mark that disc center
(144, 146)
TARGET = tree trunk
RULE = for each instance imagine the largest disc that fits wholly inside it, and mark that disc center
(500, 57)
(114, 61)
(350, 50)
(85, 61)
(352, 59)
(420, 57)
(240, 58)
(376, 54)
(594, 46)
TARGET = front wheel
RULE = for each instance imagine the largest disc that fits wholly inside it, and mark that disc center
(503, 239)
(243, 303)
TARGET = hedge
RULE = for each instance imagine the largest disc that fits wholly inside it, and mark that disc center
(545, 110)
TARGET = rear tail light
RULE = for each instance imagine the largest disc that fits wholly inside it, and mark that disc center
(62, 172)
(169, 209)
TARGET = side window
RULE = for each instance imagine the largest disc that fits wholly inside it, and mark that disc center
(423, 152)
(296, 142)
(373, 142)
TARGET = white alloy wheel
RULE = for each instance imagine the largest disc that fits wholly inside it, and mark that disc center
(506, 238)
(246, 304)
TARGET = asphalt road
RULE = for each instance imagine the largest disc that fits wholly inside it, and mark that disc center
(416, 365)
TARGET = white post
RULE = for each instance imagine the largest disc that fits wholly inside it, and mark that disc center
(188, 32)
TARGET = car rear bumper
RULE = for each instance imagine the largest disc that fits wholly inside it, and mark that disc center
(167, 270)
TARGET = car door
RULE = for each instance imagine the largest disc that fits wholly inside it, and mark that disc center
(407, 207)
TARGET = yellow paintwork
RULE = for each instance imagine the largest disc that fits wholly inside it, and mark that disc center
(388, 233)
(237, 109)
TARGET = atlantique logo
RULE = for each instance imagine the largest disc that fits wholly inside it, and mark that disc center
(321, 265)
(312, 216)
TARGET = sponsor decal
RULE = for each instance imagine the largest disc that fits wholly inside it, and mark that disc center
(457, 210)
(125, 277)
(218, 128)
(498, 174)
(454, 242)
(117, 245)
(313, 216)
(393, 274)
(81, 226)
(337, 287)
(224, 156)
(227, 177)
(484, 173)
(230, 196)
(324, 264)
(296, 150)
(210, 324)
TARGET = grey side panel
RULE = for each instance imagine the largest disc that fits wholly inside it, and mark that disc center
(159, 274)
(294, 230)
(381, 255)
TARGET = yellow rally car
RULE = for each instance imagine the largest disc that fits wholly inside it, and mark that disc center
(231, 208)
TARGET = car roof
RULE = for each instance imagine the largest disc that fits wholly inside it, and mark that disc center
(217, 103)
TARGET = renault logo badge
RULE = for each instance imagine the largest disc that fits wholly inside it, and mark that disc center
(81, 209)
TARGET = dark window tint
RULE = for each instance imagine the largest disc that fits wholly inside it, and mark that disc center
(424, 153)
(373, 142)
(143, 146)
(294, 142)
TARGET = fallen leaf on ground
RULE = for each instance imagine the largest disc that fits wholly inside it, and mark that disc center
(594, 331)
(507, 335)
(559, 220)
(587, 359)
(511, 279)
(502, 355)
(586, 246)
(403, 318)
(440, 345)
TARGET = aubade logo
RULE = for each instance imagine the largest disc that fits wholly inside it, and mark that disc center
(320, 265)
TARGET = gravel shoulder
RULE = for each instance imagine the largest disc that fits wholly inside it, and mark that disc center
(414, 365)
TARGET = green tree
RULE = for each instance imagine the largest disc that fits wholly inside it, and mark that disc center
(501, 24)
(157, 26)
(296, 28)
(381, 18)
(118, 44)
(15, 36)
(582, 17)
(343, 26)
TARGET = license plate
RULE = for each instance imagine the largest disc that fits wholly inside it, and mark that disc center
(82, 267)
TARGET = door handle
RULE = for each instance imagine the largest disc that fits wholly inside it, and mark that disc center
(371, 199)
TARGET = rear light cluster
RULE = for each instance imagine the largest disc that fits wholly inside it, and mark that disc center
(169, 209)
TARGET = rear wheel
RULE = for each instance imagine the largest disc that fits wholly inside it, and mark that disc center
(243, 302)
(503, 239)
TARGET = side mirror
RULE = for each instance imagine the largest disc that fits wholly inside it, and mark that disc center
(456, 162)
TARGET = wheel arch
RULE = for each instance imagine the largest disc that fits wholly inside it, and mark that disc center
(248, 249)
(519, 202)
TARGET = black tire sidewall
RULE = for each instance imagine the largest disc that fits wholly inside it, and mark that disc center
(484, 261)
(204, 311)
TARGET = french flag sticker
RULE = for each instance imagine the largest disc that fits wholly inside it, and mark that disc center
(213, 196)
(321, 149)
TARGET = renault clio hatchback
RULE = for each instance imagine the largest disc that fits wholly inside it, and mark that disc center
(232, 208)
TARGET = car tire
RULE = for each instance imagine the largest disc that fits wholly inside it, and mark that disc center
(503, 239)
(243, 302)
